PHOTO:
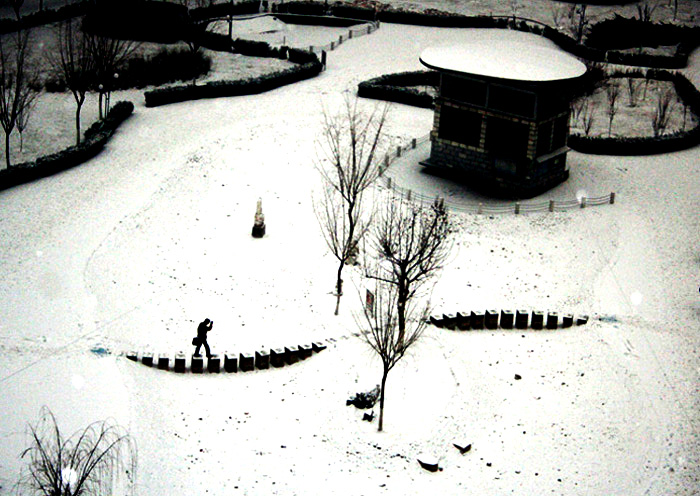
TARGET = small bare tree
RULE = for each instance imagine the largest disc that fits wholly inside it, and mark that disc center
(411, 244)
(17, 85)
(612, 92)
(577, 22)
(349, 164)
(89, 462)
(645, 10)
(108, 54)
(23, 120)
(634, 86)
(16, 6)
(662, 113)
(73, 62)
(588, 117)
(559, 13)
(381, 332)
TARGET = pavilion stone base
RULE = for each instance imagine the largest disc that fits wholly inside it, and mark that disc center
(462, 164)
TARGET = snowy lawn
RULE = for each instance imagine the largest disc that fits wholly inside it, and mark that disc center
(132, 249)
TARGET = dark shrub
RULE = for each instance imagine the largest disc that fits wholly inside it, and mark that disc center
(166, 66)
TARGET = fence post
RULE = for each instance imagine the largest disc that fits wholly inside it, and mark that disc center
(517, 208)
(350, 34)
(369, 29)
(583, 202)
(413, 143)
(612, 198)
(323, 58)
(398, 151)
(340, 39)
(332, 45)
(388, 182)
(481, 208)
(551, 205)
(408, 196)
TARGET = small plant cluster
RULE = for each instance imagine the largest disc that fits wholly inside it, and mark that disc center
(402, 87)
(96, 137)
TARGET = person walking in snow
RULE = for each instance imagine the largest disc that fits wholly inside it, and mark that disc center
(202, 329)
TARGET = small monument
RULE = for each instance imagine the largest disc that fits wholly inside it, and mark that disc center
(259, 224)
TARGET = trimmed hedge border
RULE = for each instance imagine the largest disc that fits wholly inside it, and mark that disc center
(392, 88)
(248, 86)
(96, 137)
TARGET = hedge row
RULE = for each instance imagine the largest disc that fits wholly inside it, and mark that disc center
(397, 88)
(96, 137)
(46, 16)
(249, 86)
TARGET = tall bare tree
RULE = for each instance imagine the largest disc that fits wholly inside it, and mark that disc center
(72, 61)
(577, 22)
(17, 85)
(108, 54)
(88, 462)
(645, 10)
(411, 243)
(633, 88)
(380, 330)
(349, 163)
(612, 92)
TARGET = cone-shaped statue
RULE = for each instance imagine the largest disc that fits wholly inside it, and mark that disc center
(259, 224)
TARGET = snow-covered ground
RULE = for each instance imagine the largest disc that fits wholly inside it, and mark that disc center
(132, 249)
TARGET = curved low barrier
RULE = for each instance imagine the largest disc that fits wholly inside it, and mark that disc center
(505, 319)
(96, 138)
(482, 208)
(230, 362)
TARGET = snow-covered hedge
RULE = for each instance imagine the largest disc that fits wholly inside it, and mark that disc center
(96, 137)
(248, 86)
(398, 88)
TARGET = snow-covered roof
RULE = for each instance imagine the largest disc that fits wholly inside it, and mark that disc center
(515, 61)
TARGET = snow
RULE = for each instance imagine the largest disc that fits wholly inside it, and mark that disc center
(520, 61)
(132, 249)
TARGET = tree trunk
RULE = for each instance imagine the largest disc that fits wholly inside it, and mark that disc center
(401, 302)
(7, 150)
(339, 288)
(381, 399)
(77, 122)
(100, 104)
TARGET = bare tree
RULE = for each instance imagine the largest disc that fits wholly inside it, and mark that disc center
(411, 243)
(558, 13)
(612, 92)
(72, 61)
(16, 6)
(88, 462)
(108, 54)
(17, 85)
(381, 332)
(577, 22)
(23, 120)
(349, 164)
(662, 113)
(645, 10)
(633, 87)
(588, 117)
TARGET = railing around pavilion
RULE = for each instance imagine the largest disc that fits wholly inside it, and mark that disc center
(481, 207)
